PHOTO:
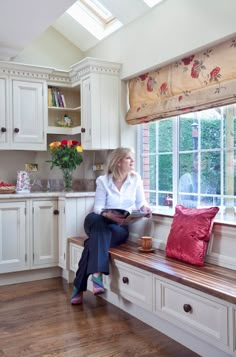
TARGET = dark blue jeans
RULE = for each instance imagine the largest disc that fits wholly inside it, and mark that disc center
(102, 234)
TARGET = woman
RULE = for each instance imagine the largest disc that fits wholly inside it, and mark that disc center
(120, 188)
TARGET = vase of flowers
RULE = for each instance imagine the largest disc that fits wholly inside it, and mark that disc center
(66, 154)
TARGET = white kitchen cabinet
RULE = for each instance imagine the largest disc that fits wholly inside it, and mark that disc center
(28, 235)
(45, 233)
(71, 222)
(4, 112)
(56, 113)
(23, 114)
(13, 237)
(100, 104)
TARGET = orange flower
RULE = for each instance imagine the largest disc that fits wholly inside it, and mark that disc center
(54, 145)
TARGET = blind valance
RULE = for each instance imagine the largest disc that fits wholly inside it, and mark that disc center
(200, 81)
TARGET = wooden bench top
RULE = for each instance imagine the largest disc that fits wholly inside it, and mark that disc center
(211, 279)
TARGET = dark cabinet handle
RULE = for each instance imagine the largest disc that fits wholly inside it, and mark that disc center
(125, 280)
(16, 130)
(3, 130)
(187, 308)
(56, 211)
(82, 130)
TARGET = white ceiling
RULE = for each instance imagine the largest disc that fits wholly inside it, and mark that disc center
(22, 21)
(124, 10)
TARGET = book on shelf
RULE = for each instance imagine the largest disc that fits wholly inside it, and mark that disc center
(129, 215)
(63, 100)
(55, 98)
(49, 97)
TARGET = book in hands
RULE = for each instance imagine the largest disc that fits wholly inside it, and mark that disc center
(134, 214)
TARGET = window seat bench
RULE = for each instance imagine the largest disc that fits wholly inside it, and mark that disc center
(211, 279)
(194, 305)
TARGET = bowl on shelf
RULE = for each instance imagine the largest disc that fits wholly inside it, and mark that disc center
(7, 189)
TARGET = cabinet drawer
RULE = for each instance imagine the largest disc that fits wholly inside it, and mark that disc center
(131, 283)
(75, 255)
(207, 317)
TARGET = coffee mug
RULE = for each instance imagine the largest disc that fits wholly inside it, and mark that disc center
(146, 243)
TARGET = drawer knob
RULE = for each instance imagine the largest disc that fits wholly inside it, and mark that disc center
(125, 280)
(187, 308)
(3, 130)
(56, 211)
(82, 130)
(16, 130)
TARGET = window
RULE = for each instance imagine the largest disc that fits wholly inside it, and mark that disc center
(94, 17)
(191, 160)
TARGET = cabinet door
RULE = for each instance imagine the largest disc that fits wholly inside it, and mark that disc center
(100, 112)
(86, 138)
(62, 241)
(45, 240)
(71, 224)
(28, 115)
(4, 117)
(13, 241)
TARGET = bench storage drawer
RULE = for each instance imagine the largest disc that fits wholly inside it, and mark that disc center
(208, 318)
(131, 283)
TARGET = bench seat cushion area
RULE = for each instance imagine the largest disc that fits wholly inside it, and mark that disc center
(211, 279)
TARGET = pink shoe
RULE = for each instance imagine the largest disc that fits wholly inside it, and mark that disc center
(76, 297)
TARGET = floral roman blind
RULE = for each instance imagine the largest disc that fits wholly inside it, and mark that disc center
(203, 80)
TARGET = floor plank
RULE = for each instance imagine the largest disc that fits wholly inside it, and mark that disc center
(36, 319)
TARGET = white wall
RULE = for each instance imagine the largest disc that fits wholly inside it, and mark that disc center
(51, 49)
(169, 31)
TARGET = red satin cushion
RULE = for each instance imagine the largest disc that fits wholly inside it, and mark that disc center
(190, 233)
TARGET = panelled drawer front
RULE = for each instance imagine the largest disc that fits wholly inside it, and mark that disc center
(75, 255)
(208, 317)
(131, 283)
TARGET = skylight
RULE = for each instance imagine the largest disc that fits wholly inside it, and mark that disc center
(152, 3)
(94, 17)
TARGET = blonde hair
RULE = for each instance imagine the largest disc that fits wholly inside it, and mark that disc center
(115, 157)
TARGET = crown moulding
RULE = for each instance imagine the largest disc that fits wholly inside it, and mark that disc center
(54, 76)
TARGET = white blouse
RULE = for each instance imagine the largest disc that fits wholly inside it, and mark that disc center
(131, 195)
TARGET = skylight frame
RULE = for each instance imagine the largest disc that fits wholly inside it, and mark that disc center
(100, 12)
(90, 20)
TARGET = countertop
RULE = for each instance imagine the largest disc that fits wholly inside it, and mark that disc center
(17, 196)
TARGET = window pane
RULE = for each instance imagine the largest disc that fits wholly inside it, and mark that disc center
(187, 133)
(229, 125)
(229, 172)
(210, 172)
(165, 172)
(210, 133)
(165, 131)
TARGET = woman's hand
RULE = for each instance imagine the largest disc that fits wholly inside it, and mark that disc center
(114, 217)
(146, 209)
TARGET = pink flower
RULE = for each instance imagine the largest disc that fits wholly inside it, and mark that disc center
(143, 76)
(180, 98)
(150, 84)
(195, 70)
(214, 72)
(187, 60)
(163, 87)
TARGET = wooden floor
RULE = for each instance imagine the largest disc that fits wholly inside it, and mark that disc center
(37, 319)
